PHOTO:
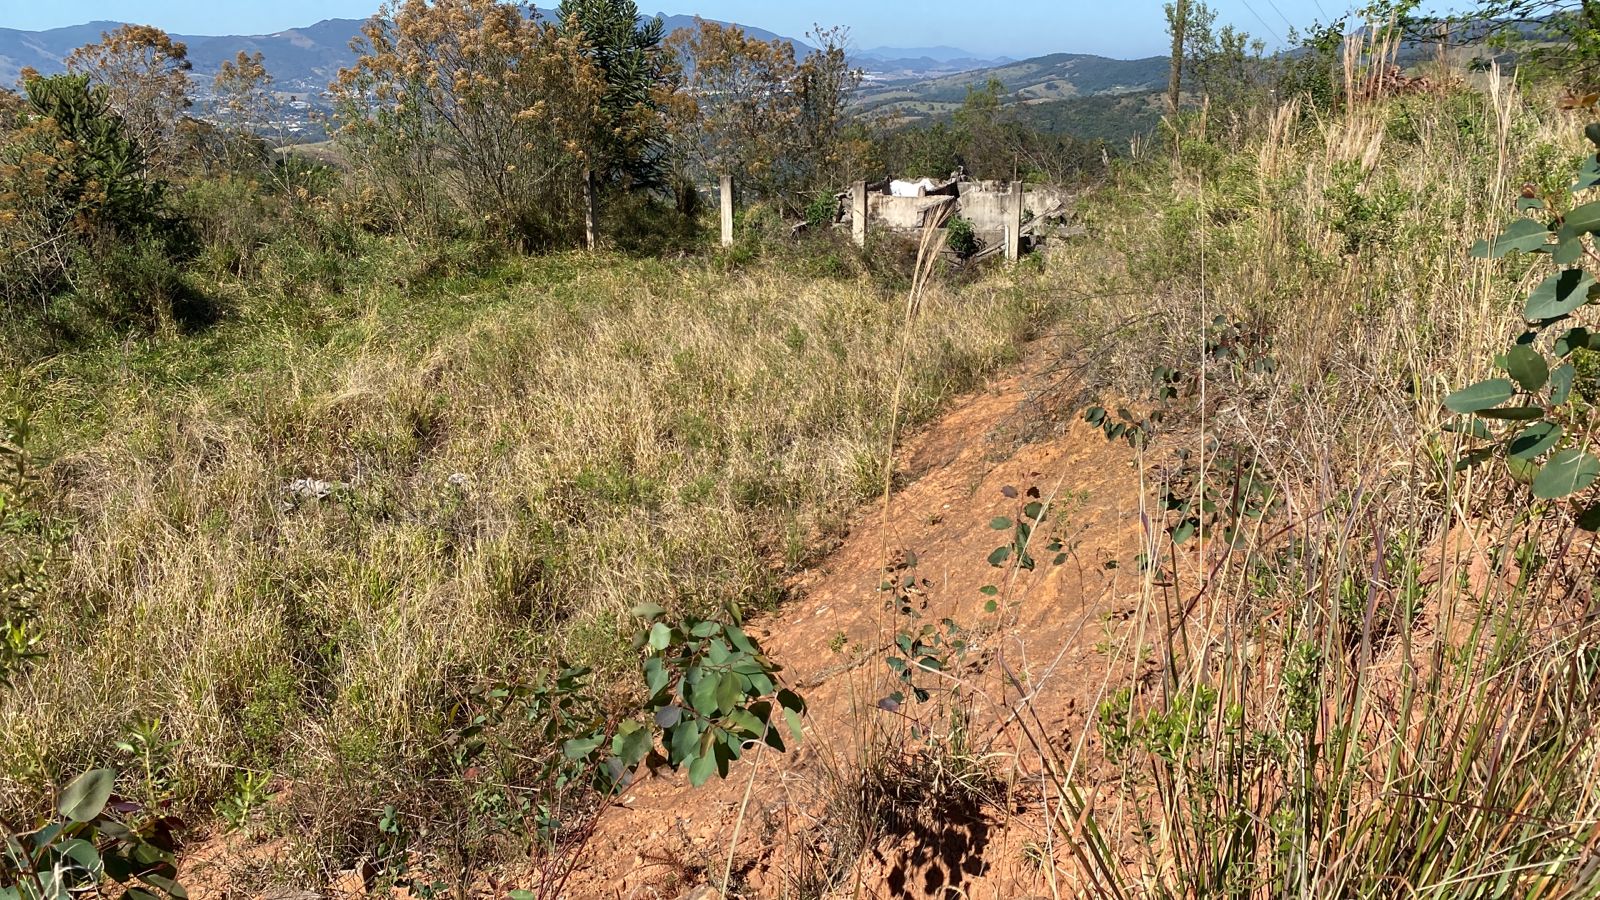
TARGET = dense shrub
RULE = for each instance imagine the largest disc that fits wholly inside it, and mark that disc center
(77, 200)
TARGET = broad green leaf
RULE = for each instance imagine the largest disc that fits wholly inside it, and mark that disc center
(704, 697)
(579, 749)
(55, 886)
(649, 611)
(752, 726)
(718, 652)
(171, 887)
(1527, 367)
(669, 716)
(1000, 523)
(660, 636)
(1558, 295)
(83, 855)
(1523, 471)
(85, 798)
(1000, 555)
(1524, 234)
(1588, 174)
(1480, 396)
(740, 639)
(1567, 253)
(1561, 382)
(684, 742)
(522, 895)
(705, 629)
(1184, 532)
(700, 770)
(632, 744)
(989, 590)
(1567, 473)
(1535, 440)
(656, 675)
(795, 728)
(1581, 221)
(730, 690)
(39, 839)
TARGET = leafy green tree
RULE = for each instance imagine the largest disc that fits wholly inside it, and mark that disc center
(641, 79)
(1226, 64)
(76, 189)
(1561, 38)
(108, 178)
(833, 148)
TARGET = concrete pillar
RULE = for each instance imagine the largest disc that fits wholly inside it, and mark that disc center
(727, 210)
(588, 209)
(1014, 223)
(858, 213)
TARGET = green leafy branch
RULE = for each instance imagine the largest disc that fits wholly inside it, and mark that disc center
(712, 691)
(1532, 418)
(92, 837)
(917, 648)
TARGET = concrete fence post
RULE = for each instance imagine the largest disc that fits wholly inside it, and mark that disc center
(727, 210)
(1014, 223)
(588, 209)
(858, 213)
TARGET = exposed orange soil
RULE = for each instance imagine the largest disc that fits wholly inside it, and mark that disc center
(666, 840)
(1058, 635)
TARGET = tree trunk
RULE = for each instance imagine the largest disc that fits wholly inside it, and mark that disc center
(1178, 25)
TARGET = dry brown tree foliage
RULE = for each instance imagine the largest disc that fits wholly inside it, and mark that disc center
(146, 77)
(471, 109)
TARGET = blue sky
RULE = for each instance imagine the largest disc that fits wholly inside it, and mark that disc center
(1017, 28)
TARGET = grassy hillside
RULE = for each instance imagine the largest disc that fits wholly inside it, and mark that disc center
(360, 522)
(510, 460)
(1383, 618)
(1046, 78)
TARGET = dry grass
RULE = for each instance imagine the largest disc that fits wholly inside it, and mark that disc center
(1354, 702)
(514, 463)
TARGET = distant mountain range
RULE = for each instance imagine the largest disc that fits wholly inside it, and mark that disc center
(304, 60)
(300, 59)
(907, 82)
(1042, 80)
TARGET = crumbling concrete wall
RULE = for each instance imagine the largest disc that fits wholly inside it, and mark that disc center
(987, 204)
(902, 213)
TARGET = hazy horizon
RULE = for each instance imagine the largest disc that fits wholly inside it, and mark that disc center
(1031, 28)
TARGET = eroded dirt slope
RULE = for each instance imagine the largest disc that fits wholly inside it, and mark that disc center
(796, 813)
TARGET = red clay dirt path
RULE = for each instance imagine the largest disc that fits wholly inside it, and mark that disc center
(667, 840)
